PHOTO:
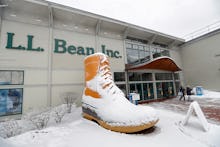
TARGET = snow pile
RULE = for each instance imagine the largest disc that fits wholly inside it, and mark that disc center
(207, 94)
(194, 130)
(213, 135)
(34, 119)
(77, 131)
(211, 94)
(4, 143)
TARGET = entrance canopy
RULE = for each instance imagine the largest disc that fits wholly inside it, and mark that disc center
(161, 63)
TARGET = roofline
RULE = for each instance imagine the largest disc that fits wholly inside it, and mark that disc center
(100, 17)
(212, 33)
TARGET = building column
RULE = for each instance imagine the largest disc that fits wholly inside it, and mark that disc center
(125, 61)
(174, 84)
(154, 85)
(126, 83)
(50, 57)
(124, 51)
(1, 14)
(151, 54)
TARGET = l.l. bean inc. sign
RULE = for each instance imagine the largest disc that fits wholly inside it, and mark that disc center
(60, 46)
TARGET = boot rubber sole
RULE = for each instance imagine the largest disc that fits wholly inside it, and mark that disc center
(122, 129)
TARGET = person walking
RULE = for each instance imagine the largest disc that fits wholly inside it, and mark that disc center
(182, 91)
(188, 92)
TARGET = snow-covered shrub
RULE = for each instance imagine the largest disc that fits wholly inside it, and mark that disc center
(9, 128)
(69, 99)
(59, 112)
(39, 118)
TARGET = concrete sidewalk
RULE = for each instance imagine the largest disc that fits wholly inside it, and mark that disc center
(210, 107)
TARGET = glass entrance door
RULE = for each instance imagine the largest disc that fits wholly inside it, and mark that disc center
(165, 89)
(137, 88)
(148, 91)
(145, 90)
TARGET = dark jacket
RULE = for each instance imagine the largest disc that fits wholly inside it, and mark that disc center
(188, 90)
(182, 90)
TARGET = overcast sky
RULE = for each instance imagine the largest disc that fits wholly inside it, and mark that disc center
(173, 17)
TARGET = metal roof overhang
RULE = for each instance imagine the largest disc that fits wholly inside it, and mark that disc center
(161, 63)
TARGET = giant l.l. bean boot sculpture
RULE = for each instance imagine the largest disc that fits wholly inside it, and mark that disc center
(106, 104)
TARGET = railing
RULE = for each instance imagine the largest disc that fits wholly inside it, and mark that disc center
(202, 31)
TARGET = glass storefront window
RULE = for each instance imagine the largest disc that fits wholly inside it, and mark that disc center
(10, 77)
(159, 90)
(137, 88)
(176, 76)
(134, 76)
(147, 77)
(170, 89)
(143, 84)
(177, 86)
(155, 52)
(148, 91)
(144, 56)
(165, 53)
(128, 45)
(132, 56)
(158, 52)
(163, 76)
(141, 52)
(119, 76)
(165, 89)
(11, 101)
(156, 55)
(141, 47)
(135, 46)
(132, 88)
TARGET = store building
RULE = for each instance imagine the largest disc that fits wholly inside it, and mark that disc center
(43, 45)
(202, 66)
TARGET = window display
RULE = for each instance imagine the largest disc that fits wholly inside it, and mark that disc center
(11, 101)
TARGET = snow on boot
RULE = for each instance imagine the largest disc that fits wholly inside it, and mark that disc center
(106, 104)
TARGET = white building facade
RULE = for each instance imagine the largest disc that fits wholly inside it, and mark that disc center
(43, 45)
(202, 66)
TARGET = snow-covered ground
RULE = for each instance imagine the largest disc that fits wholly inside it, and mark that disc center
(207, 94)
(77, 131)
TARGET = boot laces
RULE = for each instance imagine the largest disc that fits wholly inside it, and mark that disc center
(107, 79)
